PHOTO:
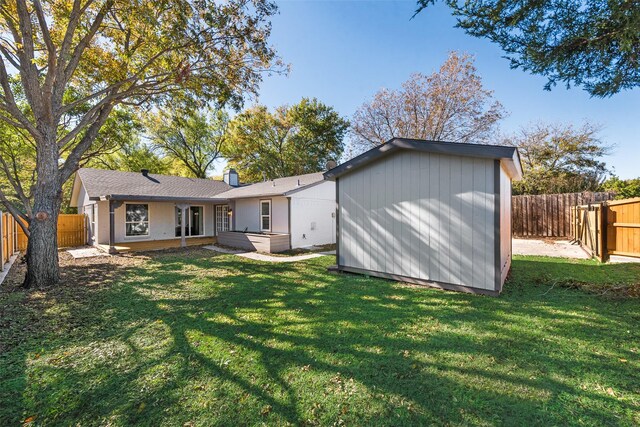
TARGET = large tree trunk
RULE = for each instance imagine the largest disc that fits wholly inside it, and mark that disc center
(42, 249)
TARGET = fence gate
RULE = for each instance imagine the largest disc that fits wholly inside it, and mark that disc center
(623, 227)
(72, 231)
(608, 228)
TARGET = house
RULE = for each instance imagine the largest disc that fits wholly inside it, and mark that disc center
(426, 212)
(273, 216)
(143, 211)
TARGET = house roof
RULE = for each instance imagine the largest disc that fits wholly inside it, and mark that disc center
(118, 185)
(508, 156)
(276, 187)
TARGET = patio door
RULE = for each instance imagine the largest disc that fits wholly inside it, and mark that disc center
(194, 225)
(222, 218)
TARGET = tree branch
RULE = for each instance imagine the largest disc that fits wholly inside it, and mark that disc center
(20, 218)
(71, 163)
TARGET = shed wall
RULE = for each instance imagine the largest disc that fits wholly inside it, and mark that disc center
(505, 225)
(421, 215)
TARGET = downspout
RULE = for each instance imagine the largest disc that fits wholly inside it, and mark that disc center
(289, 220)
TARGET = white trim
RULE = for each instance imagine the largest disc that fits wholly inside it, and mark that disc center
(262, 215)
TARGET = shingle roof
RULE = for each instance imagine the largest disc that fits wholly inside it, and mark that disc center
(508, 156)
(102, 183)
(276, 187)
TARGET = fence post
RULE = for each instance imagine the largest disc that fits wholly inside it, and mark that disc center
(605, 231)
(1, 241)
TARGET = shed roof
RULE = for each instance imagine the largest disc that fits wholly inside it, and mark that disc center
(99, 183)
(276, 187)
(507, 155)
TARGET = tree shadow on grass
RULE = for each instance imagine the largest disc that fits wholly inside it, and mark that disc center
(219, 340)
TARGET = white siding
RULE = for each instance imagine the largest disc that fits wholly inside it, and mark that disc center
(317, 205)
(83, 198)
(103, 223)
(247, 214)
(162, 222)
(421, 215)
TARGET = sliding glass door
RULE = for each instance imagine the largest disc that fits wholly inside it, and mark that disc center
(194, 225)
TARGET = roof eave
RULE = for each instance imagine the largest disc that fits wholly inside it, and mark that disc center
(135, 198)
(508, 155)
(303, 187)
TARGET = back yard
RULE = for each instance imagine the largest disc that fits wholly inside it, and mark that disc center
(194, 338)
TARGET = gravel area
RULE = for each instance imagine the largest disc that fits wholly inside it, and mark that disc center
(552, 248)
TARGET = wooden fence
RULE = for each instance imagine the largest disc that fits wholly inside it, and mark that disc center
(549, 215)
(8, 238)
(587, 228)
(608, 228)
(72, 231)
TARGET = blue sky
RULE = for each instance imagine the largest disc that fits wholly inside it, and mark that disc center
(342, 52)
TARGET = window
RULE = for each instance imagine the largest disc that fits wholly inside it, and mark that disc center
(222, 218)
(137, 220)
(195, 221)
(265, 215)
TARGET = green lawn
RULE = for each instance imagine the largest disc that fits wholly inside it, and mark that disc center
(196, 338)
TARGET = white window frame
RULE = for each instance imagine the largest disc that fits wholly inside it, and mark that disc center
(222, 218)
(188, 226)
(268, 201)
(148, 221)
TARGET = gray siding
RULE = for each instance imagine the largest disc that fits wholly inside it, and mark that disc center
(255, 242)
(421, 215)
(505, 225)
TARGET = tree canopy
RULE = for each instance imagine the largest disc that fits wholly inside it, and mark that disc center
(624, 188)
(450, 104)
(67, 65)
(559, 158)
(594, 44)
(193, 138)
(291, 140)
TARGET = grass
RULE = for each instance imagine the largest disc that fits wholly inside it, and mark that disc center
(202, 339)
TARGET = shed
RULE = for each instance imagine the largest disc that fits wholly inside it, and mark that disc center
(427, 212)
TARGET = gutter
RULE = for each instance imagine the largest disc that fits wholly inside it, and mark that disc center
(134, 198)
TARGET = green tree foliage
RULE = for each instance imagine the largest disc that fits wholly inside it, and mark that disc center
(448, 105)
(67, 65)
(624, 188)
(116, 147)
(594, 44)
(559, 158)
(292, 140)
(192, 138)
(132, 156)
